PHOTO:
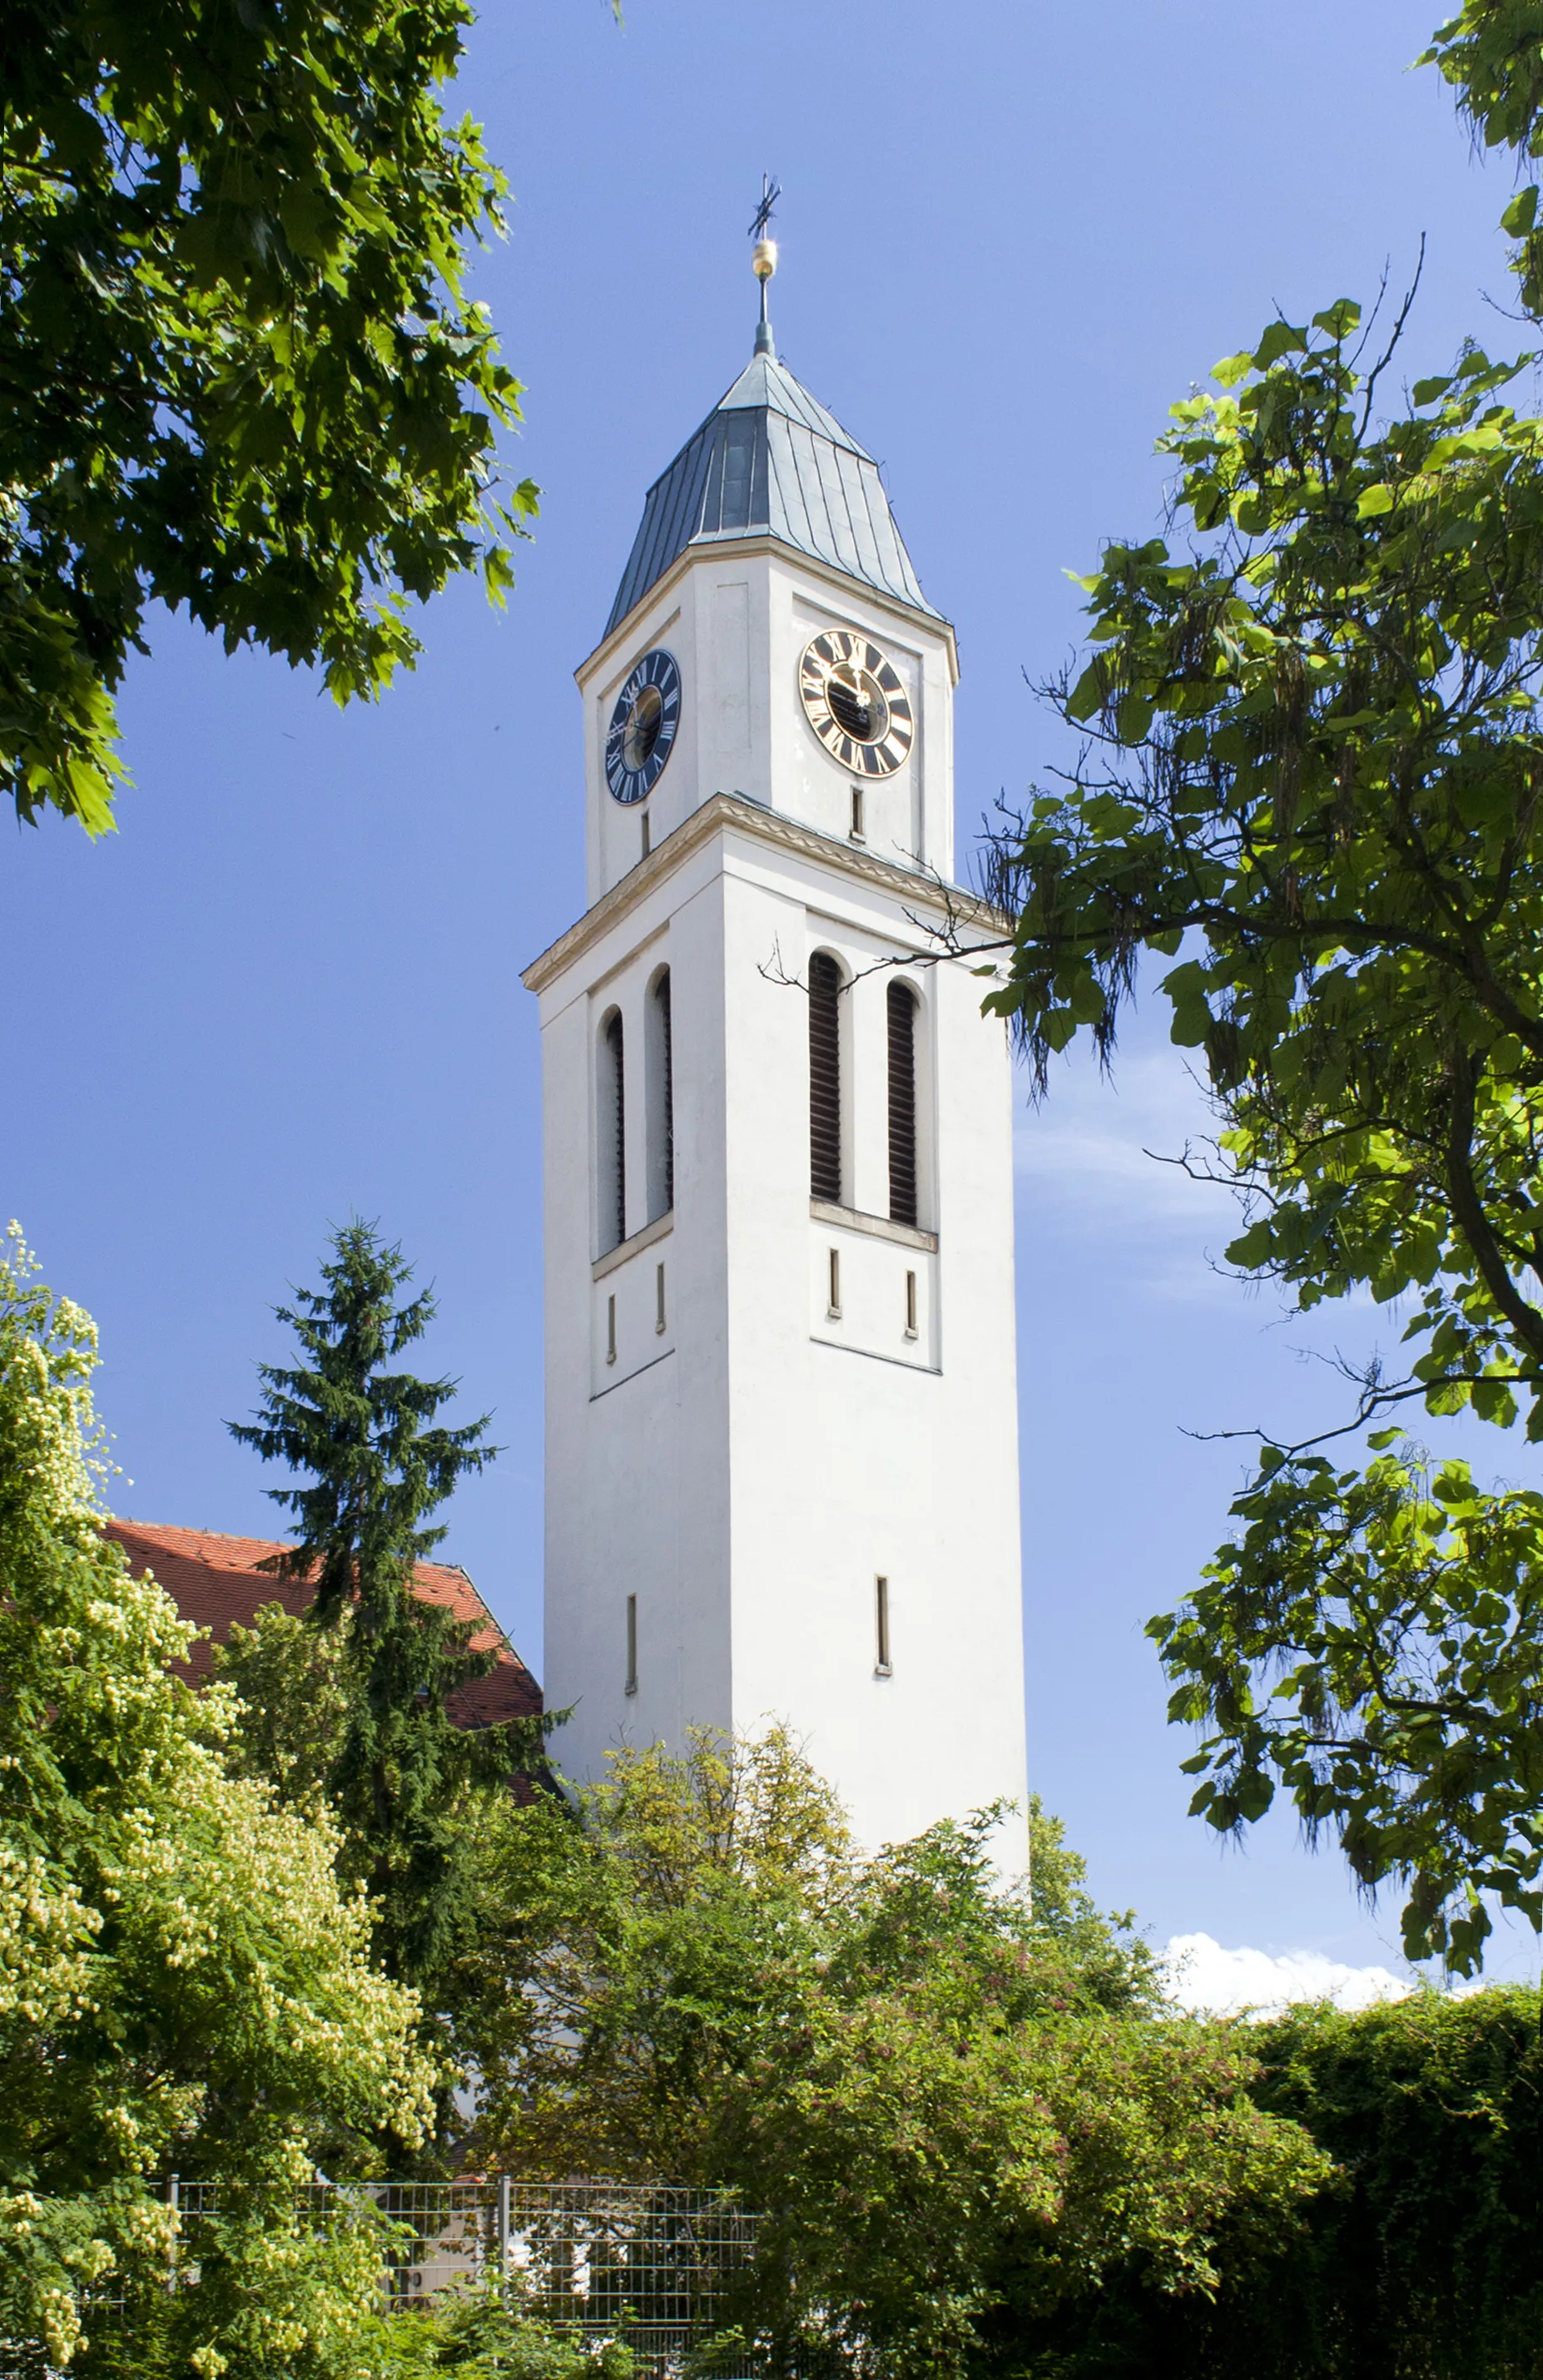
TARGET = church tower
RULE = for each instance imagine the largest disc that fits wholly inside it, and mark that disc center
(780, 1394)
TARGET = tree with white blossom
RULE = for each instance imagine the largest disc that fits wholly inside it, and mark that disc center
(183, 1983)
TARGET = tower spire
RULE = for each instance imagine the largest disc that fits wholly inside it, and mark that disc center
(763, 259)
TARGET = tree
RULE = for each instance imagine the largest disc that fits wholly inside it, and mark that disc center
(481, 2336)
(239, 370)
(633, 1942)
(1427, 2254)
(406, 1781)
(182, 1983)
(291, 1681)
(1310, 776)
(1423, 2256)
(939, 2098)
(969, 2126)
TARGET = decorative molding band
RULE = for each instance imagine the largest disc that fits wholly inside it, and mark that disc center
(950, 902)
(879, 1227)
(659, 1228)
(731, 548)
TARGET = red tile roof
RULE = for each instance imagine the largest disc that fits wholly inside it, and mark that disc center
(215, 1581)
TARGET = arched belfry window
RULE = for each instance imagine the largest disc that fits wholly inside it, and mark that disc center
(903, 1102)
(611, 1133)
(825, 1078)
(660, 1056)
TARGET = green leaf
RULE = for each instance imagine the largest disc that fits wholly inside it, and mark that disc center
(1280, 339)
(1184, 985)
(1087, 695)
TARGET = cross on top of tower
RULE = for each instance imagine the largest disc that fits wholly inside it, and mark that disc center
(770, 191)
(763, 257)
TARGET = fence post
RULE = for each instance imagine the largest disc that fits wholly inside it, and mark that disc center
(174, 2201)
(504, 2234)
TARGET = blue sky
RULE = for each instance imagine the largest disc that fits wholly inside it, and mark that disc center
(1012, 236)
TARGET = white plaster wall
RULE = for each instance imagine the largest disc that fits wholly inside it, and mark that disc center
(736, 617)
(636, 1461)
(750, 1472)
(851, 1457)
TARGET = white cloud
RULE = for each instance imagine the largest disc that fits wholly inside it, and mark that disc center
(1203, 1977)
(1086, 1145)
(1099, 1161)
(1084, 1173)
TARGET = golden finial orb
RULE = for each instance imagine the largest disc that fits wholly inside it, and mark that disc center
(763, 259)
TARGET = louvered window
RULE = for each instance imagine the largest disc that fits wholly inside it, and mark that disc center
(903, 1103)
(611, 1136)
(825, 1078)
(662, 1121)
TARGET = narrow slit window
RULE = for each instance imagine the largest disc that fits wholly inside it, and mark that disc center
(833, 1303)
(612, 1137)
(658, 1285)
(857, 828)
(632, 1644)
(910, 1305)
(648, 838)
(825, 1078)
(610, 1327)
(903, 1103)
(881, 1627)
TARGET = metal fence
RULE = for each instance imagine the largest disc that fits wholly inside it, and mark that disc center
(650, 2261)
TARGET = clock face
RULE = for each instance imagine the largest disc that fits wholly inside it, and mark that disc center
(856, 701)
(642, 728)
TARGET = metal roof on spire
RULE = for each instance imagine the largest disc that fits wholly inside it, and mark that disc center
(770, 460)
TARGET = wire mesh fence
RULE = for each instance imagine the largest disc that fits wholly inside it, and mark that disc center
(654, 2262)
(595, 2253)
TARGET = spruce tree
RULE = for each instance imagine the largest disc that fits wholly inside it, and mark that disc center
(374, 1463)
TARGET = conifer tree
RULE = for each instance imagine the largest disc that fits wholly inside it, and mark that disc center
(374, 1464)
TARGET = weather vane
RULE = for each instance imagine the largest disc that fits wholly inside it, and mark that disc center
(763, 257)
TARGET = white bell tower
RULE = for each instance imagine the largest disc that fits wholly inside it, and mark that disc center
(781, 1395)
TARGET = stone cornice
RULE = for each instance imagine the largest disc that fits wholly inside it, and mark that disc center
(714, 548)
(949, 903)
